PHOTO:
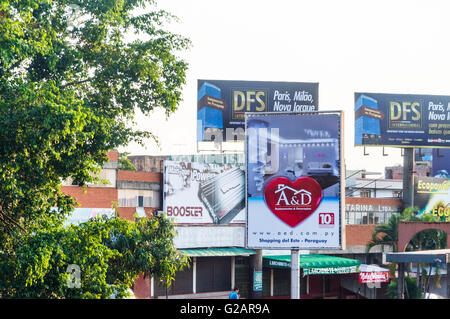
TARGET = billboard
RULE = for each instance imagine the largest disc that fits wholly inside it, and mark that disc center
(441, 162)
(204, 193)
(294, 185)
(432, 196)
(82, 215)
(402, 120)
(221, 105)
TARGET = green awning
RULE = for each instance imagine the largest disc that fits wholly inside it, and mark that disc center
(315, 264)
(209, 252)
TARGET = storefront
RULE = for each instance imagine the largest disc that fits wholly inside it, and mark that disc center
(212, 274)
(370, 283)
(320, 276)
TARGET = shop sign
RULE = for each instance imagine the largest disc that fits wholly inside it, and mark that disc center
(278, 264)
(373, 277)
(370, 208)
(331, 270)
(257, 280)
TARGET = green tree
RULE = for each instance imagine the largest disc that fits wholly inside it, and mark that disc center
(110, 254)
(412, 290)
(71, 82)
(387, 235)
(125, 163)
(73, 75)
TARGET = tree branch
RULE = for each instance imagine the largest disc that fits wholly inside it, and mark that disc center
(11, 220)
(77, 82)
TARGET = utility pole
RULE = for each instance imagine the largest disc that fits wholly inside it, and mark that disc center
(408, 177)
(408, 201)
(295, 274)
(256, 291)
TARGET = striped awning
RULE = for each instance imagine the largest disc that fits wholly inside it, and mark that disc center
(210, 252)
(315, 264)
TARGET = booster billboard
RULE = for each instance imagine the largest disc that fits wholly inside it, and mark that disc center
(294, 183)
(204, 193)
(402, 120)
(221, 104)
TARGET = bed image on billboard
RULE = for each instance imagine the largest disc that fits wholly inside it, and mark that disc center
(223, 195)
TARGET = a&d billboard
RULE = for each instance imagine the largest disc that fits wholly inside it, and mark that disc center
(294, 180)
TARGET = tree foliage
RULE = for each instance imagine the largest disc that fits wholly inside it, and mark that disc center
(387, 234)
(110, 254)
(73, 75)
(71, 82)
(125, 163)
(412, 291)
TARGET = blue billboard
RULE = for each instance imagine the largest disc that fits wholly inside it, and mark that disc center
(402, 120)
(221, 104)
(441, 163)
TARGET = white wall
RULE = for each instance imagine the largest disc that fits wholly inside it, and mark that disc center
(209, 236)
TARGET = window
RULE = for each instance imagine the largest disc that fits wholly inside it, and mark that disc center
(364, 218)
(379, 218)
(371, 218)
(358, 217)
(351, 218)
(397, 194)
(364, 193)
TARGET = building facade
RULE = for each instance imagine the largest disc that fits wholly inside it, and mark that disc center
(219, 260)
(132, 193)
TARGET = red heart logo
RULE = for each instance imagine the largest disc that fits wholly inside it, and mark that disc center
(293, 202)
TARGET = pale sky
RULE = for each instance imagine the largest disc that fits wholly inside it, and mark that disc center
(346, 46)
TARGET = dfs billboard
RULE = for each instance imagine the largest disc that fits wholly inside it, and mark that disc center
(402, 120)
(221, 105)
(294, 180)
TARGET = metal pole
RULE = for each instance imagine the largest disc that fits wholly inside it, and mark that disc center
(448, 275)
(152, 291)
(194, 275)
(256, 266)
(233, 272)
(271, 282)
(400, 289)
(408, 177)
(295, 274)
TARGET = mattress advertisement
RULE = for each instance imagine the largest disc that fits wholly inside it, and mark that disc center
(221, 105)
(403, 120)
(432, 196)
(204, 193)
(294, 181)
